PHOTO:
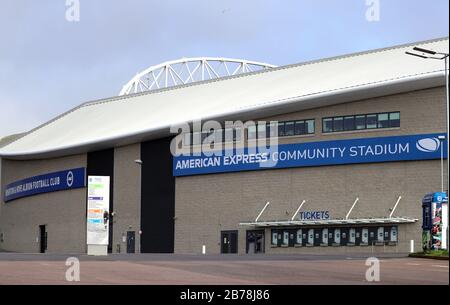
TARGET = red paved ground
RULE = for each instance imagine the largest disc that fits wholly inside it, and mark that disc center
(189, 270)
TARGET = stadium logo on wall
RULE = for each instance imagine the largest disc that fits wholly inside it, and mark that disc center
(69, 179)
(428, 144)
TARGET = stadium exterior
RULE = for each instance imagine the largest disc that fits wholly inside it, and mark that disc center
(358, 150)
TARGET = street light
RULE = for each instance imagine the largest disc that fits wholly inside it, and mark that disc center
(441, 140)
(430, 54)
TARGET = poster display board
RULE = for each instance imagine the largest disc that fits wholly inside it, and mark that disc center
(98, 210)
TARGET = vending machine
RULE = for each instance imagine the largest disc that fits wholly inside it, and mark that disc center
(435, 221)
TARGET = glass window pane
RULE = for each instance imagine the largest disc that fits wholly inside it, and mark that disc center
(187, 139)
(289, 129)
(327, 125)
(205, 135)
(228, 135)
(338, 124)
(280, 129)
(196, 138)
(394, 119)
(349, 123)
(218, 136)
(383, 120)
(261, 131)
(372, 121)
(271, 129)
(274, 237)
(237, 135)
(251, 133)
(300, 128)
(310, 126)
(360, 122)
(299, 236)
(285, 238)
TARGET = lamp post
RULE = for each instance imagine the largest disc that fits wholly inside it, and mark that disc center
(429, 54)
(441, 142)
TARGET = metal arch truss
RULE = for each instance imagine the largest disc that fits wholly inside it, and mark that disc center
(189, 70)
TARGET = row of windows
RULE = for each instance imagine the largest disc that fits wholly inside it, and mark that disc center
(354, 236)
(361, 122)
(285, 129)
(219, 136)
(299, 127)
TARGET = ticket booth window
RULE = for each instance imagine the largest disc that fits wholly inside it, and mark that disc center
(352, 234)
(380, 234)
(299, 237)
(274, 238)
(285, 238)
(365, 236)
(311, 237)
(325, 236)
(337, 236)
(394, 236)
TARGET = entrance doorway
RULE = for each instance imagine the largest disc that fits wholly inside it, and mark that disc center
(131, 241)
(42, 238)
(228, 241)
(255, 241)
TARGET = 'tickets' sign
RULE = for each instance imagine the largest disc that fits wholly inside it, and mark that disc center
(51, 182)
(98, 210)
(364, 150)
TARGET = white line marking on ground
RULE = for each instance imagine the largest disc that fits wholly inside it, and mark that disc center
(439, 266)
(413, 264)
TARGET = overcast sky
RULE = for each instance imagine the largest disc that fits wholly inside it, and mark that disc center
(49, 65)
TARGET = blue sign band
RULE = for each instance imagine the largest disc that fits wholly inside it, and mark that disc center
(52, 182)
(363, 150)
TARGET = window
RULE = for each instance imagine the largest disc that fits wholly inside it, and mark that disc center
(327, 125)
(281, 129)
(300, 127)
(299, 237)
(218, 136)
(285, 238)
(394, 119)
(251, 132)
(309, 126)
(372, 121)
(237, 135)
(262, 131)
(228, 135)
(383, 120)
(274, 237)
(289, 129)
(187, 139)
(196, 138)
(361, 122)
(349, 123)
(338, 124)
(205, 134)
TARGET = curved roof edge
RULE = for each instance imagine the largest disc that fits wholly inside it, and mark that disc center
(432, 78)
(342, 95)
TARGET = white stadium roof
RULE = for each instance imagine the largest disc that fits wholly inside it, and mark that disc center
(145, 116)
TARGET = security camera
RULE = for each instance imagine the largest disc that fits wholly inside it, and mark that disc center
(138, 161)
